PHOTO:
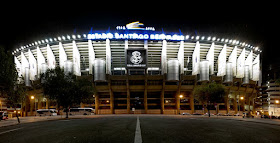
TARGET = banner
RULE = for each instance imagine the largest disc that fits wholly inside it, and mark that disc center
(62, 56)
(222, 61)
(50, 58)
(76, 60)
(18, 67)
(240, 65)
(196, 59)
(210, 58)
(24, 64)
(32, 65)
(40, 60)
(91, 56)
(232, 58)
(256, 68)
(249, 62)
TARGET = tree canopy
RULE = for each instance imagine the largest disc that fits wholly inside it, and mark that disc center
(66, 89)
(210, 93)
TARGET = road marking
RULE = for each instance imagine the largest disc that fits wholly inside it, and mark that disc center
(9, 131)
(138, 137)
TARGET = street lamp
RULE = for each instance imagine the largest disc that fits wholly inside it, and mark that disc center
(181, 96)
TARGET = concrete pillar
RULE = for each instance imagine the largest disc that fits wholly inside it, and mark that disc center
(128, 97)
(177, 98)
(162, 96)
(235, 106)
(227, 103)
(111, 102)
(39, 103)
(96, 103)
(48, 104)
(145, 98)
(192, 103)
(218, 108)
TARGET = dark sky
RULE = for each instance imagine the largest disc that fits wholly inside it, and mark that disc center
(248, 23)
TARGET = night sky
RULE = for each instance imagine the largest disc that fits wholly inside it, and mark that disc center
(248, 23)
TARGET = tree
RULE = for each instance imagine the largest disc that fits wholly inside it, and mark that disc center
(210, 93)
(65, 88)
(13, 92)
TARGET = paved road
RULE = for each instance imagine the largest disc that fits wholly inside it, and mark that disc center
(153, 128)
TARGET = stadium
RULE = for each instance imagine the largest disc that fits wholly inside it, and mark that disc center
(139, 70)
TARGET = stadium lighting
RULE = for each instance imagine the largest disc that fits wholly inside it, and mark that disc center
(214, 38)
(197, 37)
(202, 38)
(187, 37)
(222, 40)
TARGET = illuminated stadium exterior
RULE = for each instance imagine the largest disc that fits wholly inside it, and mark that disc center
(136, 69)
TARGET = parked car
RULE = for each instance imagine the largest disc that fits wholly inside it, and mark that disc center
(265, 116)
(186, 114)
(220, 114)
(211, 114)
(197, 114)
(3, 115)
(46, 112)
(228, 114)
(248, 115)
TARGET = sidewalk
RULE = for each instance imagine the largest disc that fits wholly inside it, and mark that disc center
(256, 120)
(30, 119)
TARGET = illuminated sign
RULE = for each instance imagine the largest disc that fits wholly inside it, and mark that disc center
(135, 26)
(136, 58)
(135, 36)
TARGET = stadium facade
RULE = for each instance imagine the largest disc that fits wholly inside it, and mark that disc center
(137, 69)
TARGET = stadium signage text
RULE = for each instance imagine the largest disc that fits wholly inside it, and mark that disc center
(135, 36)
(135, 26)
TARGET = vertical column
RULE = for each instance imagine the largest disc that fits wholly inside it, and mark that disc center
(111, 98)
(227, 102)
(39, 103)
(180, 57)
(76, 60)
(91, 56)
(162, 98)
(108, 57)
(47, 103)
(235, 103)
(163, 58)
(177, 98)
(145, 97)
(192, 102)
(96, 103)
(128, 96)
(111, 102)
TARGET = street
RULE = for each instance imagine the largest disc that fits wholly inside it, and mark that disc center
(153, 128)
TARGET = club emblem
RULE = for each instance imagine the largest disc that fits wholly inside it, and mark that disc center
(136, 57)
